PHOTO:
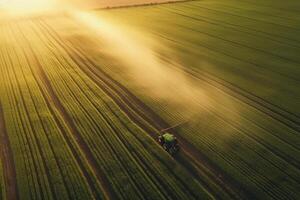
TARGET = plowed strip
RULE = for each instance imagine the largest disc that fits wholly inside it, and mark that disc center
(80, 141)
(8, 162)
(143, 116)
(105, 186)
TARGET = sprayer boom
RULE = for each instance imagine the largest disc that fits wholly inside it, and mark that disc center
(174, 126)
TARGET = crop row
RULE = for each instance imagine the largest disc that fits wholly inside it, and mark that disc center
(111, 137)
(45, 167)
(247, 142)
(2, 181)
(130, 104)
(227, 46)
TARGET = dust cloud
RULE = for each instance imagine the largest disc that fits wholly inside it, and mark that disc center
(156, 77)
(134, 49)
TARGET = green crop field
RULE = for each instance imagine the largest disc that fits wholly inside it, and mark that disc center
(82, 105)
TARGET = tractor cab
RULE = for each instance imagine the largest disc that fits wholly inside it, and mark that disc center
(169, 143)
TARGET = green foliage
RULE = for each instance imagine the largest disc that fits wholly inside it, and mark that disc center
(244, 55)
(71, 140)
(54, 160)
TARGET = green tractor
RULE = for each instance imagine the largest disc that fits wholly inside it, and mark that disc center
(169, 143)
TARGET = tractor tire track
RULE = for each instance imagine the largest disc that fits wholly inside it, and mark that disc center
(7, 159)
(21, 126)
(105, 185)
(31, 136)
(143, 116)
(120, 136)
(34, 135)
(139, 114)
(50, 93)
(35, 106)
(90, 182)
(109, 144)
(124, 141)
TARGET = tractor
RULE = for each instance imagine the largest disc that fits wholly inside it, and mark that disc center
(169, 143)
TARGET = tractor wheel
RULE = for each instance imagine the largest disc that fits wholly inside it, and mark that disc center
(165, 147)
(171, 151)
(174, 150)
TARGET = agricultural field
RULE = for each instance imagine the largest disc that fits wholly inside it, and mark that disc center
(84, 96)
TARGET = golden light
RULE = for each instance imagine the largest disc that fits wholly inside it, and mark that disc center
(26, 7)
(135, 49)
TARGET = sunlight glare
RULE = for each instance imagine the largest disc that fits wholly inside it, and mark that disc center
(27, 7)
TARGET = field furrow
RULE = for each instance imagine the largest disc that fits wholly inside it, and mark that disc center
(7, 162)
(137, 111)
(108, 132)
(87, 96)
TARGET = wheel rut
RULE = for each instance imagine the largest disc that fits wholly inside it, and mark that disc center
(190, 157)
(50, 96)
(7, 159)
(105, 185)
